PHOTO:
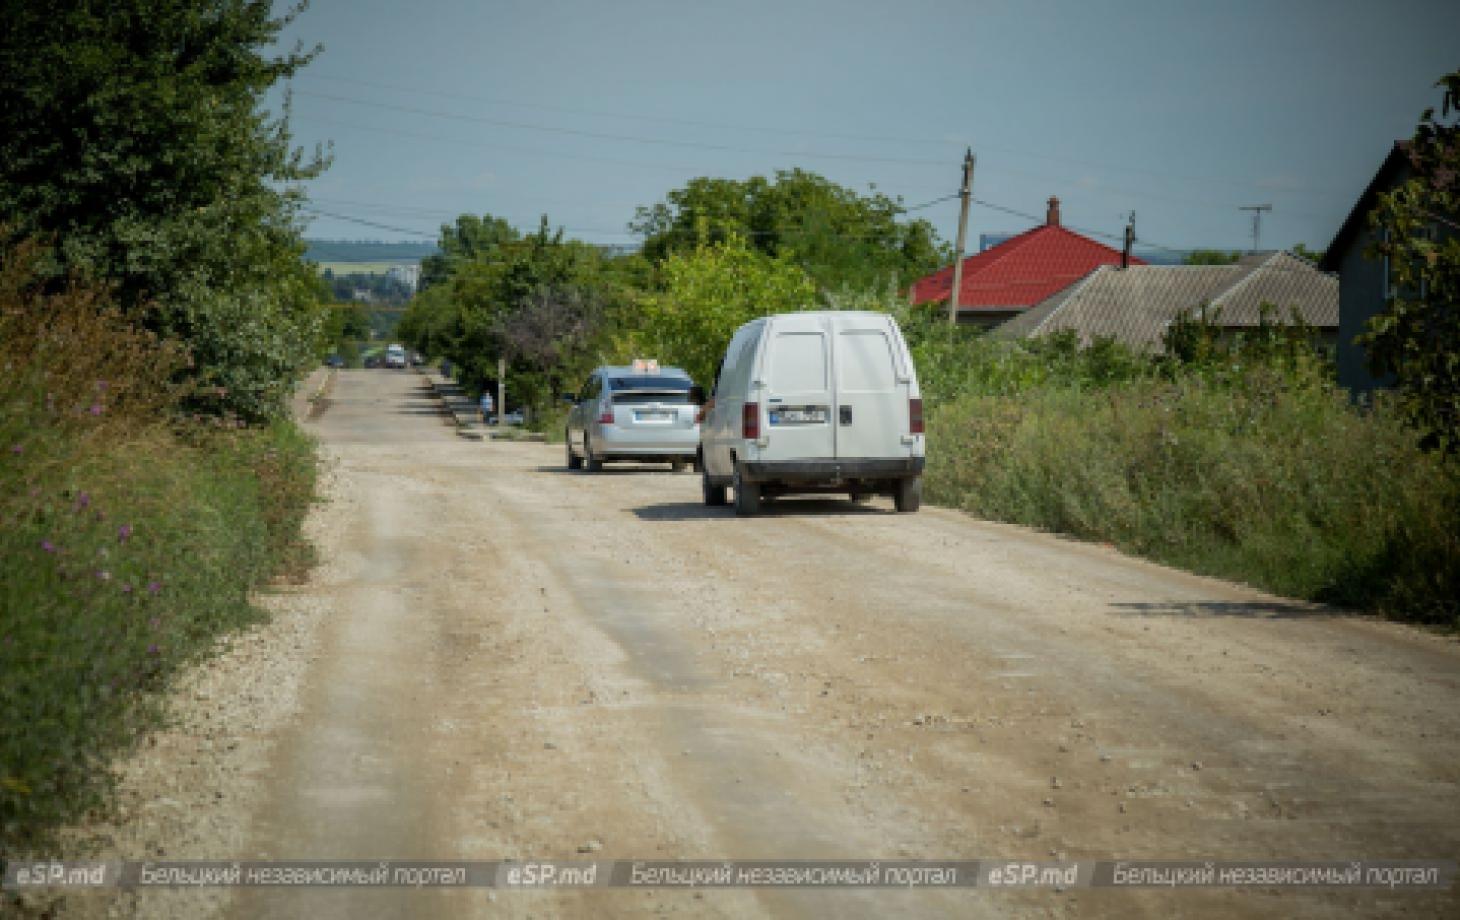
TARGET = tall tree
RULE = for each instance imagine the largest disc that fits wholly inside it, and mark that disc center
(133, 135)
(839, 237)
(1417, 337)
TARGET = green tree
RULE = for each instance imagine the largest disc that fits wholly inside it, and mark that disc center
(1417, 336)
(470, 238)
(839, 237)
(711, 291)
(133, 134)
(1211, 257)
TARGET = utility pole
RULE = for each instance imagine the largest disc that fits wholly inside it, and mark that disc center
(1256, 210)
(1130, 240)
(965, 193)
(502, 392)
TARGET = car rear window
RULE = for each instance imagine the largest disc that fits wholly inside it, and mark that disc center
(640, 397)
(649, 382)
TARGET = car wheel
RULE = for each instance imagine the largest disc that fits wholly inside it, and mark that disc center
(909, 494)
(591, 463)
(575, 462)
(747, 495)
(860, 498)
(714, 495)
(676, 466)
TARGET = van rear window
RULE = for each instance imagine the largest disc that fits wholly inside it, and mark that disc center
(798, 362)
(864, 361)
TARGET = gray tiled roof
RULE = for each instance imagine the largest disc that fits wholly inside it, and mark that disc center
(1136, 304)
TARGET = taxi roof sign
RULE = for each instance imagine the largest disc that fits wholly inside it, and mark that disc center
(646, 365)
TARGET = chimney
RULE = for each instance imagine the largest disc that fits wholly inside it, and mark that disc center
(1052, 216)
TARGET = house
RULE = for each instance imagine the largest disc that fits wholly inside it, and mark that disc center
(1363, 284)
(1135, 305)
(1007, 279)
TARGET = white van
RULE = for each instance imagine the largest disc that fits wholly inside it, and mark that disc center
(814, 402)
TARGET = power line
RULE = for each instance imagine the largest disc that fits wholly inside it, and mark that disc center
(899, 139)
(600, 135)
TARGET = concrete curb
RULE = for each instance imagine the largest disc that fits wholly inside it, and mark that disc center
(460, 410)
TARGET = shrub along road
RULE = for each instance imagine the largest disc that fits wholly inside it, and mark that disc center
(521, 662)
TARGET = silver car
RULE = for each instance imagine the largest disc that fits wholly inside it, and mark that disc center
(637, 412)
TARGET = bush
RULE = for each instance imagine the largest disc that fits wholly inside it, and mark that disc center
(129, 540)
(1269, 476)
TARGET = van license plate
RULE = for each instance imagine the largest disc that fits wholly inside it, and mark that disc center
(808, 415)
(653, 415)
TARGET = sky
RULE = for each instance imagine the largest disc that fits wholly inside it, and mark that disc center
(1182, 112)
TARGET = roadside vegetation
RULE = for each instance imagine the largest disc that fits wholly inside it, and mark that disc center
(1241, 459)
(156, 318)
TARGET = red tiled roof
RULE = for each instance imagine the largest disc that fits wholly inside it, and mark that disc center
(1021, 272)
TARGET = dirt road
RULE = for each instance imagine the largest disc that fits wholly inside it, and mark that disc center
(521, 662)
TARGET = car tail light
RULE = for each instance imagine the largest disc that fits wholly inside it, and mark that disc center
(915, 416)
(750, 420)
(606, 416)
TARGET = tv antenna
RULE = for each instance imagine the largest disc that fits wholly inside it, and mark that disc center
(1256, 210)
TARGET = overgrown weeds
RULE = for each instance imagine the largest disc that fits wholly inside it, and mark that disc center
(130, 539)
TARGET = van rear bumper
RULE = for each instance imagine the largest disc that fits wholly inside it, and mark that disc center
(831, 470)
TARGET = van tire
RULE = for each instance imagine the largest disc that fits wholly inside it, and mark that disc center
(676, 466)
(590, 463)
(714, 495)
(747, 495)
(909, 495)
(575, 462)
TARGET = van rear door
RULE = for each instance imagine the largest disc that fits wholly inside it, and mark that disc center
(797, 417)
(872, 389)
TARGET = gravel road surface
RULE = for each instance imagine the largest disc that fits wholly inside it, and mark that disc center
(502, 659)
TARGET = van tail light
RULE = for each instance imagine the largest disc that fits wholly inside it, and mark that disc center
(750, 421)
(605, 417)
(915, 416)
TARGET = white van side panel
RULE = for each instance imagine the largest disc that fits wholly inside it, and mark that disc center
(722, 425)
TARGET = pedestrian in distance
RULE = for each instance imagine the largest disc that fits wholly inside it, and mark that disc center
(486, 406)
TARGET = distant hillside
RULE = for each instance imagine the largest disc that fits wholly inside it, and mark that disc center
(366, 251)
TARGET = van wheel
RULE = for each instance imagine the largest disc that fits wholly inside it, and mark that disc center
(575, 462)
(714, 495)
(676, 466)
(909, 494)
(747, 495)
(590, 462)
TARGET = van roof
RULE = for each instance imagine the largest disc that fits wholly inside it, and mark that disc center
(830, 313)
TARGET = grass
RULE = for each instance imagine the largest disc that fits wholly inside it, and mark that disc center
(1269, 477)
(131, 539)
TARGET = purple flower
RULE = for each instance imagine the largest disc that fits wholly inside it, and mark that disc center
(123, 532)
(127, 588)
(152, 649)
(17, 449)
(83, 501)
(152, 588)
(95, 409)
(48, 546)
(101, 384)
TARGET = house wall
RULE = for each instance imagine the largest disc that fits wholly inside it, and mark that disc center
(1362, 288)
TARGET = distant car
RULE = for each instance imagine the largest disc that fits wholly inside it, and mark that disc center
(395, 356)
(334, 361)
(639, 412)
(515, 417)
(372, 361)
(417, 359)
